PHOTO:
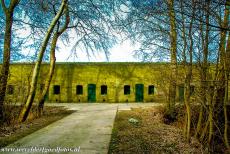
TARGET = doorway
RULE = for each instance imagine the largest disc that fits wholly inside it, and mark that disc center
(92, 92)
(139, 92)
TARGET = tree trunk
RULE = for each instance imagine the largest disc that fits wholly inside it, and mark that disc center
(227, 70)
(184, 58)
(188, 78)
(203, 72)
(6, 52)
(224, 70)
(58, 33)
(26, 108)
(199, 123)
(211, 122)
(188, 93)
(226, 115)
(188, 71)
(173, 52)
(41, 100)
(188, 110)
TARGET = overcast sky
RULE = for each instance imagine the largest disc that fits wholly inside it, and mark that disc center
(122, 52)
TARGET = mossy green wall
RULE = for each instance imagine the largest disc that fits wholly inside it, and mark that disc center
(114, 75)
(69, 75)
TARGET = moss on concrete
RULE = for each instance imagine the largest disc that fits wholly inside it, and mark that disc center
(114, 75)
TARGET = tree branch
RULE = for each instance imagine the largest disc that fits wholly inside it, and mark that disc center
(4, 6)
(13, 4)
(67, 20)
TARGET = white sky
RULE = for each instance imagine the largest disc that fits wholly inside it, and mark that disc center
(122, 52)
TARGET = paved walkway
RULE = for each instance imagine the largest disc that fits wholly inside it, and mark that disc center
(87, 130)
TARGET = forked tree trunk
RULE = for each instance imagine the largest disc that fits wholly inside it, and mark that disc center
(6, 51)
(41, 100)
(57, 34)
(26, 108)
(173, 53)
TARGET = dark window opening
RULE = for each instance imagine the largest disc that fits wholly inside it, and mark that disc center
(56, 89)
(151, 90)
(42, 86)
(126, 89)
(10, 89)
(79, 90)
(103, 90)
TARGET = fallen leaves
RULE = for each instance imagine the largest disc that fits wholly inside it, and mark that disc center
(151, 136)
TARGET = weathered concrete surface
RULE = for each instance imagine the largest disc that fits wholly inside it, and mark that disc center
(89, 128)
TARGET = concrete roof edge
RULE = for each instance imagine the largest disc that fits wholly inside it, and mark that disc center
(87, 63)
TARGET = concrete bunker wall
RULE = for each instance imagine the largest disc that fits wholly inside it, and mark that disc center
(68, 76)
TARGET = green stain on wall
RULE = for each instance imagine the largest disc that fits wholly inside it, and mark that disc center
(114, 75)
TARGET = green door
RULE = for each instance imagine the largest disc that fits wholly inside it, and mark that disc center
(92, 93)
(139, 92)
(181, 93)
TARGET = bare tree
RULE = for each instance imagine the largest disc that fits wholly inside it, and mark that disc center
(25, 111)
(58, 32)
(188, 67)
(8, 11)
(224, 70)
(173, 54)
(93, 26)
(195, 39)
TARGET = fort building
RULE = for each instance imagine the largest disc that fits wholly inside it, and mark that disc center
(94, 82)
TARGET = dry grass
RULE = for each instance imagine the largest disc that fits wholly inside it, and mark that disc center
(149, 135)
(11, 131)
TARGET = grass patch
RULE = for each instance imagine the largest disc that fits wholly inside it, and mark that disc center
(149, 135)
(11, 131)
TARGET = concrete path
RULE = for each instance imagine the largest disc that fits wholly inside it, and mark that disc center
(87, 131)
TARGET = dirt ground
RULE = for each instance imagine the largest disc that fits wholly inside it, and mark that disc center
(143, 131)
(11, 131)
